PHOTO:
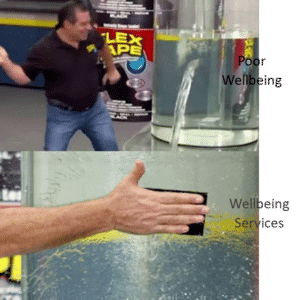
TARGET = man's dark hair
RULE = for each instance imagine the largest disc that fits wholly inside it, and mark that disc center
(68, 12)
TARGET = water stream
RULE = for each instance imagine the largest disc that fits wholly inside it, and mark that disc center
(181, 101)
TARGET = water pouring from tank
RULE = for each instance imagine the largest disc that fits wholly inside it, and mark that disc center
(216, 109)
(181, 101)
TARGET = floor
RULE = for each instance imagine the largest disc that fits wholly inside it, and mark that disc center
(23, 119)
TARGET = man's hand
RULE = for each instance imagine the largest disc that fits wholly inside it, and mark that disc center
(128, 208)
(113, 76)
(14, 71)
(3, 56)
(137, 210)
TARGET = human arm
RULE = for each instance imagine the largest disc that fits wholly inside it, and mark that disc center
(128, 208)
(14, 71)
(112, 74)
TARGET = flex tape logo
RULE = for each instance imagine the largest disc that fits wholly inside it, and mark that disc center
(134, 42)
(10, 267)
(124, 43)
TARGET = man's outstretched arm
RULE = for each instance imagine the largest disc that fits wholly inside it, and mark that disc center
(14, 71)
(128, 208)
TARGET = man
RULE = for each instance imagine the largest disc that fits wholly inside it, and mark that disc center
(128, 208)
(67, 57)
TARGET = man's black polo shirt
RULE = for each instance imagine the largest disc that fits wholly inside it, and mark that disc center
(71, 75)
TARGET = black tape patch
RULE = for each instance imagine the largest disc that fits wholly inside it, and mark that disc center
(195, 229)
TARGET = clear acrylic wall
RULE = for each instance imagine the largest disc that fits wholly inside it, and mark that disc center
(197, 50)
(222, 264)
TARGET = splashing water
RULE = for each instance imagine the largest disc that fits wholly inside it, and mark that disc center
(181, 101)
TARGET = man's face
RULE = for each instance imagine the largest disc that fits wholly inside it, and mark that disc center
(79, 31)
